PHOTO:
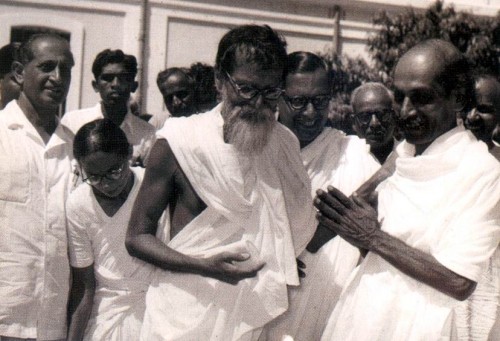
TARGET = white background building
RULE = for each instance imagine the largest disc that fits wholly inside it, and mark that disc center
(165, 33)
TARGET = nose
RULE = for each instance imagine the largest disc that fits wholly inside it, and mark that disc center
(473, 115)
(374, 122)
(115, 82)
(176, 101)
(55, 75)
(258, 100)
(407, 109)
(309, 110)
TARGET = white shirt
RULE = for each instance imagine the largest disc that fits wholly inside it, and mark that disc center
(34, 269)
(140, 134)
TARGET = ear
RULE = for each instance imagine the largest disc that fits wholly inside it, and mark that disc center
(94, 85)
(18, 72)
(219, 82)
(134, 86)
(458, 96)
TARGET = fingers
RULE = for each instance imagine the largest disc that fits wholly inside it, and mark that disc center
(358, 200)
(236, 256)
(327, 207)
(301, 264)
(341, 197)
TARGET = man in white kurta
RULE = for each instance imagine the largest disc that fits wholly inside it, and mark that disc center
(35, 173)
(122, 280)
(140, 134)
(438, 213)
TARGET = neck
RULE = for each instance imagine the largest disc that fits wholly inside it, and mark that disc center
(382, 152)
(43, 119)
(115, 113)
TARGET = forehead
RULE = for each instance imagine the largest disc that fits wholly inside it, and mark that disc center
(254, 75)
(302, 83)
(372, 99)
(114, 68)
(418, 69)
(100, 162)
(177, 79)
(51, 49)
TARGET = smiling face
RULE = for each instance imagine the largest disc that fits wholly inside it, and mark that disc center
(307, 122)
(113, 171)
(483, 119)
(46, 78)
(426, 111)
(115, 84)
(373, 116)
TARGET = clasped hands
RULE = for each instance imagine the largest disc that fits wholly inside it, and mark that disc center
(353, 219)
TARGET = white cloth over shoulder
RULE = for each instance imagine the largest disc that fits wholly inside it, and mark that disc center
(122, 280)
(262, 199)
(345, 163)
(444, 202)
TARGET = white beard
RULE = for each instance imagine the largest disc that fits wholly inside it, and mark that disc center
(249, 136)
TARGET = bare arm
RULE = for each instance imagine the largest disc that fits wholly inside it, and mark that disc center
(154, 194)
(81, 301)
(356, 222)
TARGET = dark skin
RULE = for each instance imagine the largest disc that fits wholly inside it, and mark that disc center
(356, 221)
(427, 113)
(165, 185)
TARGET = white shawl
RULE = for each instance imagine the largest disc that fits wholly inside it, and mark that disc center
(262, 199)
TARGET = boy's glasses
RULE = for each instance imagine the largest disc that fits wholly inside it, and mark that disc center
(298, 103)
(113, 174)
(248, 92)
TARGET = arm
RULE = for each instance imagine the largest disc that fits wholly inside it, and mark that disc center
(367, 190)
(356, 222)
(80, 301)
(156, 190)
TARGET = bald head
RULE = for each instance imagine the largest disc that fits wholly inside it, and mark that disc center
(373, 113)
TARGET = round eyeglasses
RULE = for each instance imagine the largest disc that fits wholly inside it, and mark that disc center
(248, 92)
(297, 103)
(113, 174)
(383, 116)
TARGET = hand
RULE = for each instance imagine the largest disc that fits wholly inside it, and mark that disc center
(322, 235)
(352, 219)
(232, 267)
(300, 268)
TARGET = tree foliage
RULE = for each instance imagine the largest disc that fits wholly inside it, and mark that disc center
(477, 37)
(474, 36)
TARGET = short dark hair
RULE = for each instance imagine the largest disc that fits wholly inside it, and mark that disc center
(257, 44)
(100, 135)
(456, 72)
(8, 54)
(306, 62)
(26, 54)
(114, 57)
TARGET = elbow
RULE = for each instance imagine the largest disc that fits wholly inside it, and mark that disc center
(464, 289)
(131, 245)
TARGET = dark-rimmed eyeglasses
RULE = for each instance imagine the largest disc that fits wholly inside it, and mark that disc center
(383, 116)
(113, 174)
(248, 92)
(297, 103)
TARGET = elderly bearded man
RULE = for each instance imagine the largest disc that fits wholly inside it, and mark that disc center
(438, 213)
(238, 198)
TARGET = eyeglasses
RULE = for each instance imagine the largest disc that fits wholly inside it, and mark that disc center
(364, 118)
(300, 102)
(113, 174)
(248, 92)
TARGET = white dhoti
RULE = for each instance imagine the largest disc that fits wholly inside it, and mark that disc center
(259, 200)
